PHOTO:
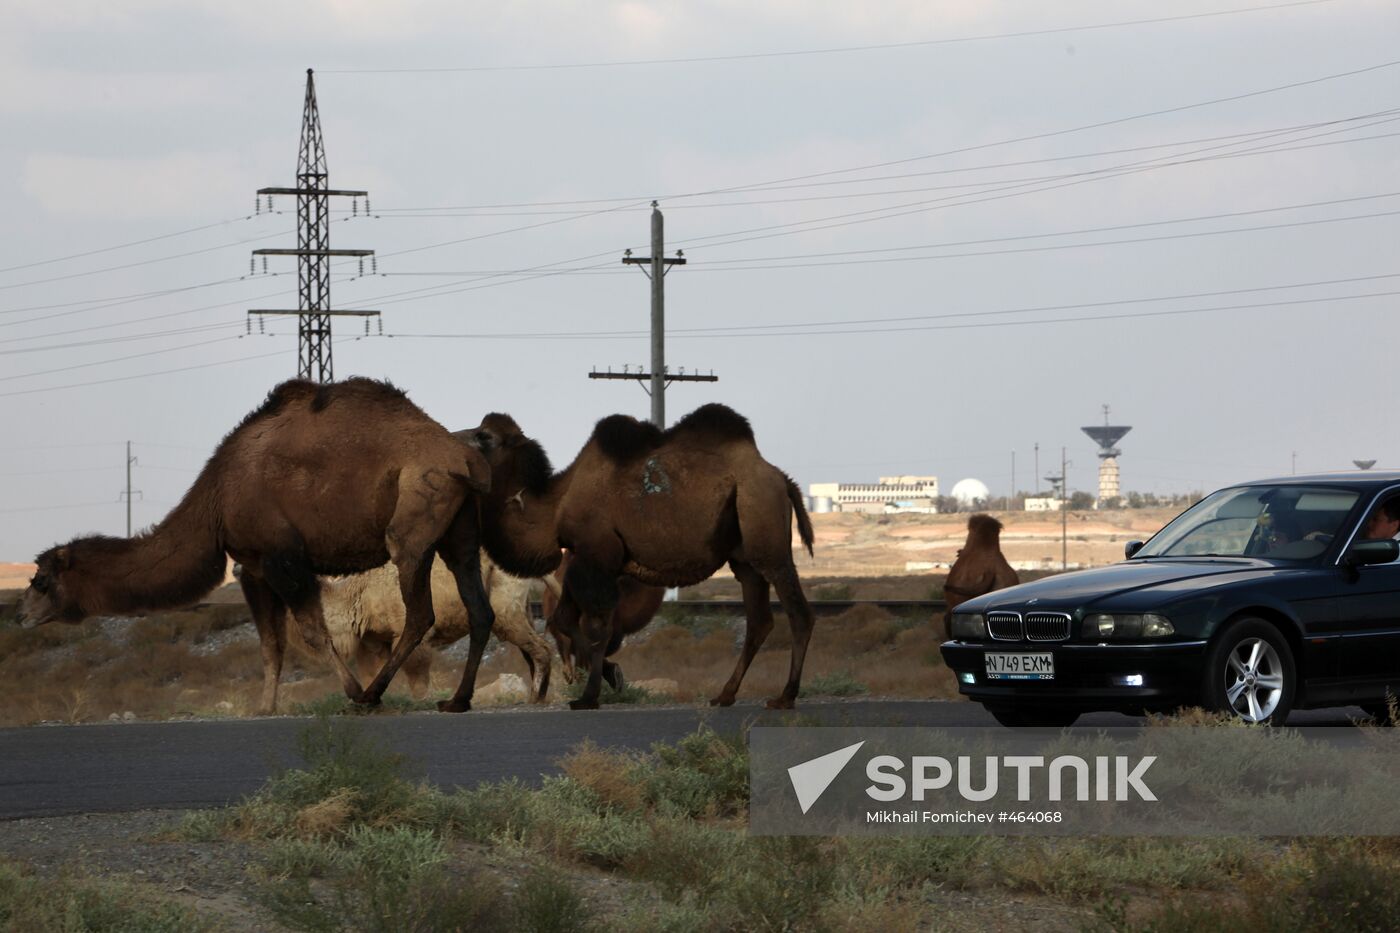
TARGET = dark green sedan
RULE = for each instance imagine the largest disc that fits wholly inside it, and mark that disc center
(1260, 599)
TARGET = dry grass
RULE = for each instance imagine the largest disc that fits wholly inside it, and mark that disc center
(206, 661)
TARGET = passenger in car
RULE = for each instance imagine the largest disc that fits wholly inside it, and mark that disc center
(1384, 521)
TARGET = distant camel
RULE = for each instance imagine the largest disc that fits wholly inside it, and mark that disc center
(666, 508)
(321, 479)
(980, 567)
(365, 616)
(636, 606)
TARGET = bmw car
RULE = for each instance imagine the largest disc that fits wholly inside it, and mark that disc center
(1260, 599)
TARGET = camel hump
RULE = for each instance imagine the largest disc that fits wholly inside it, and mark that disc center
(622, 438)
(715, 420)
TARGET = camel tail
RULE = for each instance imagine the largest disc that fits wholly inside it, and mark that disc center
(799, 509)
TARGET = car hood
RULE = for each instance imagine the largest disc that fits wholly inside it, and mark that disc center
(1158, 579)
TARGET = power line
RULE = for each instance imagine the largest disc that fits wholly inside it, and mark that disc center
(919, 43)
(739, 331)
(108, 249)
(1249, 135)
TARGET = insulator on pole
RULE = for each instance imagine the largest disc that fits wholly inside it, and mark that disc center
(252, 265)
(269, 204)
(362, 265)
(354, 207)
(264, 264)
(381, 325)
(257, 204)
(374, 264)
(262, 324)
(366, 204)
(247, 326)
(366, 327)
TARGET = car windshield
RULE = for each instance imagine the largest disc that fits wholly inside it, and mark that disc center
(1274, 522)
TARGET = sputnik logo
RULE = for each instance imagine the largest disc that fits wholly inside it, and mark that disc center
(811, 778)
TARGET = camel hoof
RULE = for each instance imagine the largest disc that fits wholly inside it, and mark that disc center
(365, 700)
(583, 704)
(454, 706)
(779, 703)
(722, 700)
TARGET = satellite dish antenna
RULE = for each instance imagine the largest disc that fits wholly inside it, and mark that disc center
(1364, 464)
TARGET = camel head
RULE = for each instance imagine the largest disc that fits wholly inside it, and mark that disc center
(983, 531)
(518, 464)
(51, 595)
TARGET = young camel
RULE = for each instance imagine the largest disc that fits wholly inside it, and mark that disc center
(980, 566)
(321, 479)
(636, 605)
(666, 508)
(365, 617)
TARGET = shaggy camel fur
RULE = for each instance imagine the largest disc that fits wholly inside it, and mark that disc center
(365, 616)
(666, 508)
(321, 479)
(980, 566)
(636, 605)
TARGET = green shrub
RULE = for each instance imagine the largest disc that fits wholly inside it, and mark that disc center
(546, 902)
(64, 904)
(381, 881)
(838, 592)
(835, 684)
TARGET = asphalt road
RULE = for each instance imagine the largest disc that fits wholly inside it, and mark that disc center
(113, 767)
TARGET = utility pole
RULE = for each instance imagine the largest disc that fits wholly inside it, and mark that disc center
(130, 460)
(1013, 481)
(655, 382)
(313, 252)
(1064, 511)
(1037, 468)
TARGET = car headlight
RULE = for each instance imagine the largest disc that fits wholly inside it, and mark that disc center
(969, 625)
(1148, 625)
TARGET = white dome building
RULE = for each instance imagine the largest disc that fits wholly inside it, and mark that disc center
(971, 493)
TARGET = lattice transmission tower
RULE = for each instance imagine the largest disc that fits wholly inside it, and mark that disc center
(313, 193)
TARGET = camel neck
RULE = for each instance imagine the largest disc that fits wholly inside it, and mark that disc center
(521, 529)
(168, 567)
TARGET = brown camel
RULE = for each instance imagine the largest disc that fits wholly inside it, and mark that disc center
(321, 479)
(636, 606)
(980, 566)
(666, 508)
(365, 616)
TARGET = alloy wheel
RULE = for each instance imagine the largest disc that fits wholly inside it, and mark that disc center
(1254, 679)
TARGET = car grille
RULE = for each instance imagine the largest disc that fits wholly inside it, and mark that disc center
(1004, 626)
(1047, 626)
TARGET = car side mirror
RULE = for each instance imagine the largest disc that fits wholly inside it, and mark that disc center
(1131, 548)
(1381, 551)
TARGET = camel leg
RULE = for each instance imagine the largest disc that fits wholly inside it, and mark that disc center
(419, 671)
(799, 615)
(759, 613)
(292, 580)
(612, 672)
(415, 587)
(461, 553)
(595, 591)
(564, 625)
(270, 619)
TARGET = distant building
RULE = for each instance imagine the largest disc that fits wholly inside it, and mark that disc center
(890, 494)
(1043, 504)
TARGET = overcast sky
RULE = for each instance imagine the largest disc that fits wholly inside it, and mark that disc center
(870, 217)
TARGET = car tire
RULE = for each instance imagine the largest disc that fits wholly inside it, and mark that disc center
(1025, 718)
(1250, 672)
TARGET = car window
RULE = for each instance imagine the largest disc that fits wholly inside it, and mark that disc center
(1274, 522)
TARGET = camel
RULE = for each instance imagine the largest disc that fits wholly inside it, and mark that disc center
(321, 479)
(365, 617)
(636, 605)
(667, 508)
(980, 567)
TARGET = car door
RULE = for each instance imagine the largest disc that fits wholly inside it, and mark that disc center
(1368, 623)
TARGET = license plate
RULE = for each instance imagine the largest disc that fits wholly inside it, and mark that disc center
(1021, 665)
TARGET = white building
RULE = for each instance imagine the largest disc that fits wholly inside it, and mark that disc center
(890, 494)
(1043, 504)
